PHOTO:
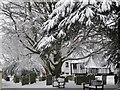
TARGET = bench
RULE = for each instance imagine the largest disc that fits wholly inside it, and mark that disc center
(58, 82)
(94, 85)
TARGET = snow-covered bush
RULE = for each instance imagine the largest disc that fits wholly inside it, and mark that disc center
(49, 80)
(32, 77)
(25, 80)
(16, 79)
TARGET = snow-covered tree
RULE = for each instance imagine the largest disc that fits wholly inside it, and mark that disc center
(71, 28)
(76, 29)
(113, 32)
(23, 67)
(21, 24)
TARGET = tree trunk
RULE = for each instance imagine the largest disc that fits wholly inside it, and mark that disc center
(118, 81)
(57, 58)
(57, 70)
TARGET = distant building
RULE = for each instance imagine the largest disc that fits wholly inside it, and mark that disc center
(87, 66)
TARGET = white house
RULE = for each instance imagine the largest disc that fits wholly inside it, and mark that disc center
(83, 67)
(74, 67)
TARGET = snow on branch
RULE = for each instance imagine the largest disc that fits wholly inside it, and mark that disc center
(67, 12)
(86, 56)
(46, 42)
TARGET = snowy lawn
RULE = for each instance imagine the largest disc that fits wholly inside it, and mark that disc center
(38, 84)
(42, 84)
(11, 84)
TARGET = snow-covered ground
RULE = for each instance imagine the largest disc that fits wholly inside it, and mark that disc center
(42, 84)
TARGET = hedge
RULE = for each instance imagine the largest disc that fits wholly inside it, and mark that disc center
(25, 80)
(32, 78)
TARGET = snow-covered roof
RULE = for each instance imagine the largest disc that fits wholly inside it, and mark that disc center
(92, 64)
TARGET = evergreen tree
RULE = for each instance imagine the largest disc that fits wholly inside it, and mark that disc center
(72, 25)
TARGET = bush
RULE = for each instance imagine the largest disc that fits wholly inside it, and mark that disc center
(104, 79)
(7, 78)
(91, 77)
(87, 79)
(80, 79)
(16, 79)
(70, 77)
(33, 78)
(25, 80)
(49, 80)
(66, 79)
(42, 78)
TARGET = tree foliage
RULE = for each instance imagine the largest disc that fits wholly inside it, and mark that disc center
(75, 25)
(66, 30)
(22, 30)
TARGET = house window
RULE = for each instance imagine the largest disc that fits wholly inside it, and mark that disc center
(74, 65)
(67, 64)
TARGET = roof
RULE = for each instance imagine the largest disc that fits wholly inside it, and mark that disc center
(91, 64)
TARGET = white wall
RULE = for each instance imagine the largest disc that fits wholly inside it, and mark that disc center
(78, 70)
(66, 69)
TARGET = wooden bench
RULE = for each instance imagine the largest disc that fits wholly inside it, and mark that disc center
(94, 85)
(59, 82)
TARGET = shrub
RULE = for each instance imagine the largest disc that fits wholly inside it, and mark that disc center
(16, 79)
(42, 78)
(87, 79)
(70, 77)
(7, 78)
(91, 77)
(66, 79)
(25, 80)
(49, 80)
(104, 77)
(32, 78)
(80, 79)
